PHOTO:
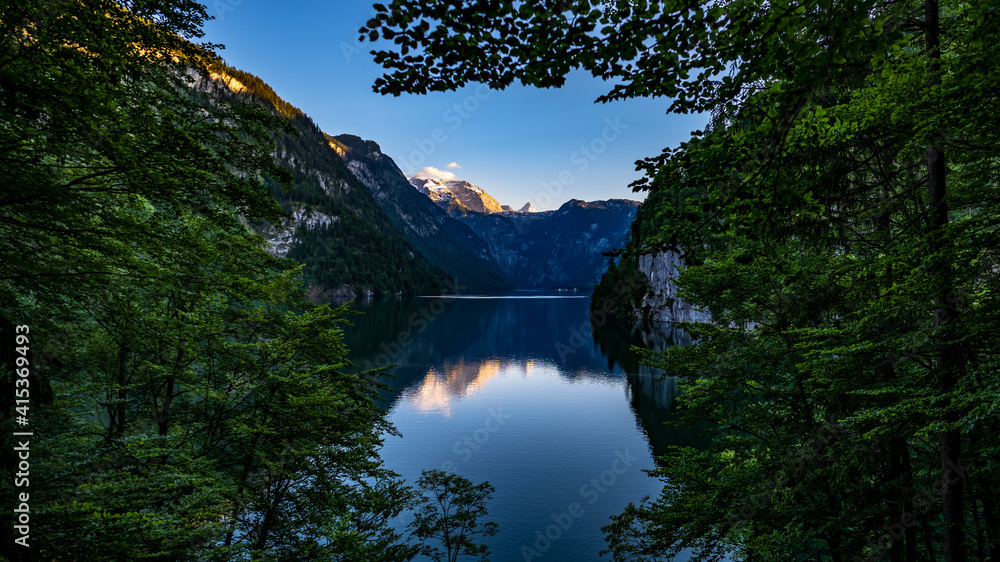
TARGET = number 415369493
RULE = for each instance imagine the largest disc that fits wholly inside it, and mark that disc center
(21, 393)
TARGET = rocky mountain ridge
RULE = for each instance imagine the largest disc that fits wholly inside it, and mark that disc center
(560, 248)
(346, 242)
(360, 226)
(445, 241)
(463, 196)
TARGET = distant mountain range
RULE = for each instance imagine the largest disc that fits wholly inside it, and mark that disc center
(463, 196)
(537, 250)
(554, 249)
(360, 226)
(459, 194)
(445, 241)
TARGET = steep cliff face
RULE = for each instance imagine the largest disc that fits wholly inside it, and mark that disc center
(445, 241)
(661, 303)
(282, 237)
(554, 249)
(640, 287)
(335, 228)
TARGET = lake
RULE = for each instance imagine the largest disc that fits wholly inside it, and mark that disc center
(524, 391)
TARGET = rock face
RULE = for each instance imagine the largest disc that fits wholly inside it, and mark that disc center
(336, 228)
(445, 241)
(554, 249)
(655, 299)
(470, 196)
(661, 304)
(282, 238)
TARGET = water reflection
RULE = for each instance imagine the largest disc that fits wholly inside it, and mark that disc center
(445, 349)
(651, 394)
(528, 394)
(416, 336)
(455, 380)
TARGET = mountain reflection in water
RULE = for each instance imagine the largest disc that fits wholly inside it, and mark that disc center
(456, 379)
(525, 392)
(446, 352)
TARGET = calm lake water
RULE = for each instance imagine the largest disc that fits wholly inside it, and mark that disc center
(521, 390)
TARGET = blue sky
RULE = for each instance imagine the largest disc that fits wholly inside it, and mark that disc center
(520, 144)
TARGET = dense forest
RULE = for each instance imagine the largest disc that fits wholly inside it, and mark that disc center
(838, 216)
(169, 391)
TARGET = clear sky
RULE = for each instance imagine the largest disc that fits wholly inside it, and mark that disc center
(520, 144)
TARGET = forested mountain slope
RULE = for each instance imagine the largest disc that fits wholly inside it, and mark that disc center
(346, 242)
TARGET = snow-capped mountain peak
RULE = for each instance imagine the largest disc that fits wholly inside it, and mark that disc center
(460, 184)
(469, 195)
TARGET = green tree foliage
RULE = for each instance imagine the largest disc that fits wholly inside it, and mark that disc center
(99, 123)
(212, 420)
(620, 290)
(450, 514)
(843, 203)
(186, 401)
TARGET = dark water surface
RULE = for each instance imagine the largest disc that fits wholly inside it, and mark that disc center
(523, 391)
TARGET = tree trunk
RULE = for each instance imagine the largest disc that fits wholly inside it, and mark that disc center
(895, 476)
(991, 537)
(944, 313)
(117, 423)
(928, 533)
(980, 550)
(911, 530)
(163, 416)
